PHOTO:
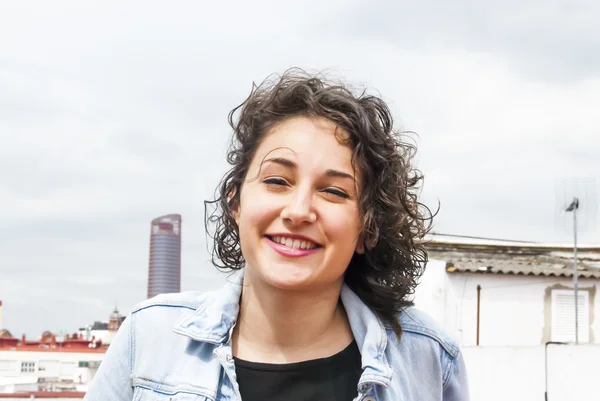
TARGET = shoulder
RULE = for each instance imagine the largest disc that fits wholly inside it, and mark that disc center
(190, 300)
(427, 348)
(165, 310)
(424, 343)
(421, 328)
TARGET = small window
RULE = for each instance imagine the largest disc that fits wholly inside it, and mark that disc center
(47, 366)
(27, 367)
(563, 316)
(67, 369)
(8, 366)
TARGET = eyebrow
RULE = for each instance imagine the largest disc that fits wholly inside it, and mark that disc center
(290, 164)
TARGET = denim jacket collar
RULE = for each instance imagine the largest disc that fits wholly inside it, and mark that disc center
(214, 320)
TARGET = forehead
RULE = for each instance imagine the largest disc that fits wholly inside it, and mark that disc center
(311, 140)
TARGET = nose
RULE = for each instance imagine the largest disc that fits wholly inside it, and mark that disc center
(299, 208)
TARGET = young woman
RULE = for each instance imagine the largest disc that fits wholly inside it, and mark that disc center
(319, 218)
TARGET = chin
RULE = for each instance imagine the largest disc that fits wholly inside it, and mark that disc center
(288, 278)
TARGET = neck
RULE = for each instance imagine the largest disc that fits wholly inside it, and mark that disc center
(283, 326)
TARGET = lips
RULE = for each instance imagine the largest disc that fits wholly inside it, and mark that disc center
(294, 241)
(299, 247)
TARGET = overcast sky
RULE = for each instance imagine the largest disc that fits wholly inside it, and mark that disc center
(115, 113)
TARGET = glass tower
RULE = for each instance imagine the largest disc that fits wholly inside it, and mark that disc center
(164, 272)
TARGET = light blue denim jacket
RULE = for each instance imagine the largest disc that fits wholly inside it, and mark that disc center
(178, 347)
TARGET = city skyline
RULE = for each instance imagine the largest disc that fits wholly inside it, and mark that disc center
(115, 115)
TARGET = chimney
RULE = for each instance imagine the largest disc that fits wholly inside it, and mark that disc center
(0, 315)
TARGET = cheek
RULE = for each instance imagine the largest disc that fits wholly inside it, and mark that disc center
(345, 226)
(255, 210)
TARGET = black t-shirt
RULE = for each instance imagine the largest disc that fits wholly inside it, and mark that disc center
(333, 379)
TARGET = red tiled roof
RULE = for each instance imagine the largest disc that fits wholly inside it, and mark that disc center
(44, 394)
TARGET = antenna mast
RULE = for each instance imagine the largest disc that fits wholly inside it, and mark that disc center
(573, 208)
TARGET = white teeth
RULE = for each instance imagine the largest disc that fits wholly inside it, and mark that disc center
(291, 243)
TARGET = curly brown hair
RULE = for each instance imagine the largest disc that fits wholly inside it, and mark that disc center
(393, 220)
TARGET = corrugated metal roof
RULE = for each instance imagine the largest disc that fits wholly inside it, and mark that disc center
(520, 267)
(517, 259)
(436, 243)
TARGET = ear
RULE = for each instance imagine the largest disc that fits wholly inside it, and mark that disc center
(235, 208)
(360, 245)
(235, 212)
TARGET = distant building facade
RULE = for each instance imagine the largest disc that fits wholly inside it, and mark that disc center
(103, 332)
(498, 293)
(61, 364)
(164, 272)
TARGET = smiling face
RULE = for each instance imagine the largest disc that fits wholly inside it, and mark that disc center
(298, 218)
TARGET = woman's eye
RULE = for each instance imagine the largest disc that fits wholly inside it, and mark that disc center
(275, 181)
(337, 192)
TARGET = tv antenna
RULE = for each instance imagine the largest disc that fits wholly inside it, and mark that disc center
(576, 199)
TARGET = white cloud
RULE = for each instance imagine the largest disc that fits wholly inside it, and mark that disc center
(114, 113)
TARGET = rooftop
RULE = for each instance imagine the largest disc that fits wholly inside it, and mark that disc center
(49, 343)
(479, 255)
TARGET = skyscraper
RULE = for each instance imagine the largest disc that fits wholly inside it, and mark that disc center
(164, 272)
